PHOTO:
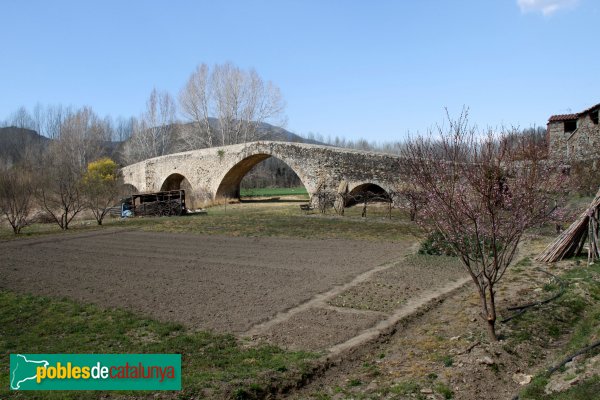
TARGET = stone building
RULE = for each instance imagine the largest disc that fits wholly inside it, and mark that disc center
(575, 137)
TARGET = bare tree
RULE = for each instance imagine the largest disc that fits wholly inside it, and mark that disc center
(482, 193)
(195, 102)
(21, 119)
(38, 119)
(152, 134)
(239, 100)
(82, 137)
(59, 192)
(123, 128)
(16, 197)
(53, 121)
(408, 197)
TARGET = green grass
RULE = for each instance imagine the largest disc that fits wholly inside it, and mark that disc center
(522, 264)
(444, 390)
(406, 388)
(585, 390)
(279, 219)
(354, 382)
(576, 315)
(268, 192)
(220, 364)
(282, 220)
(447, 360)
(34, 230)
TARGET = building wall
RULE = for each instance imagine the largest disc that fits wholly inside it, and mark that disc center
(557, 140)
(583, 143)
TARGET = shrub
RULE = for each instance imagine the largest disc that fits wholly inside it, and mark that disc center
(435, 245)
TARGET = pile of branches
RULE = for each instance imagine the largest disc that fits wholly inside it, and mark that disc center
(159, 208)
(572, 241)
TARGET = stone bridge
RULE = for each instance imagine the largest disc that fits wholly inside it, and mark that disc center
(216, 172)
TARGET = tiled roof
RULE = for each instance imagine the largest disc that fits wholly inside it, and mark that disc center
(563, 117)
(567, 117)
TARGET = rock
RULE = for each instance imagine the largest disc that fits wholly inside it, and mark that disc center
(579, 358)
(521, 379)
(427, 391)
(486, 360)
(575, 381)
(455, 337)
(557, 384)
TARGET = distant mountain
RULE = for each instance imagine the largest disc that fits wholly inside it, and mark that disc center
(15, 143)
(265, 132)
(270, 132)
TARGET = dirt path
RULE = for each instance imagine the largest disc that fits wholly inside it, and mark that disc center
(440, 350)
(318, 301)
(320, 324)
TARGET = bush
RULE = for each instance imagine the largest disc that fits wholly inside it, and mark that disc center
(435, 245)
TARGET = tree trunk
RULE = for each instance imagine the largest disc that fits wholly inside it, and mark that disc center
(491, 316)
(488, 308)
(491, 329)
(413, 215)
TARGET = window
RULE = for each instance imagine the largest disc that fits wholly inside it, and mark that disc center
(594, 117)
(570, 125)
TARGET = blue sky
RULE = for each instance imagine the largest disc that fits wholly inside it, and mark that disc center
(370, 69)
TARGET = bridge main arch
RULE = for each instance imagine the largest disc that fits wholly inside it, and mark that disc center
(230, 182)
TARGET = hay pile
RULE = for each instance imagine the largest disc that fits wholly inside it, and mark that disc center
(573, 240)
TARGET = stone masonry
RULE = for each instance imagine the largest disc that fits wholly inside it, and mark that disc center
(217, 172)
(574, 137)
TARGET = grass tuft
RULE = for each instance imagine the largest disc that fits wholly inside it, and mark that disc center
(31, 324)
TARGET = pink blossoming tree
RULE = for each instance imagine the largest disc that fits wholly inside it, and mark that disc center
(482, 192)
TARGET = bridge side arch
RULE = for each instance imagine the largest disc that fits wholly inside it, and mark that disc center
(177, 181)
(358, 192)
(229, 183)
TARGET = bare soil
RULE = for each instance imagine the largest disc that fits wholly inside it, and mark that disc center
(226, 284)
